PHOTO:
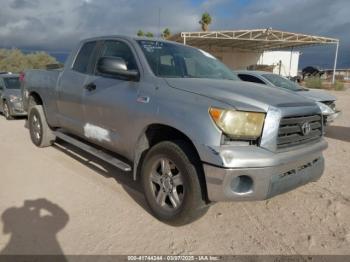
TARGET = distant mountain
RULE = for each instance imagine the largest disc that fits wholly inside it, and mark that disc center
(60, 57)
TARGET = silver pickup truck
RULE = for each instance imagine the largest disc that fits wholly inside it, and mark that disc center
(179, 120)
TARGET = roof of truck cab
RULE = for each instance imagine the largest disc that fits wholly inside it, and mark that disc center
(135, 38)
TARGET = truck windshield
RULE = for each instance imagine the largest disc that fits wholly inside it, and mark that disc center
(12, 83)
(177, 61)
(280, 81)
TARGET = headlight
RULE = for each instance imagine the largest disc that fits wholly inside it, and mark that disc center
(14, 98)
(326, 110)
(238, 124)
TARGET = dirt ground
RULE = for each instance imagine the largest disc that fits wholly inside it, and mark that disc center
(96, 209)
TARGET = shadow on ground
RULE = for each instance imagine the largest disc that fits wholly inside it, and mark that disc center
(33, 228)
(338, 132)
(125, 179)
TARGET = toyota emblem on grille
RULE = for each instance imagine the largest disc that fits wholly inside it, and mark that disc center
(306, 128)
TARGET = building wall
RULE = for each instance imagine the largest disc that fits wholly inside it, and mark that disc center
(237, 60)
(289, 61)
(342, 73)
(240, 60)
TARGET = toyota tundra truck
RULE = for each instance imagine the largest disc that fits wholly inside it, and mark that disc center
(179, 120)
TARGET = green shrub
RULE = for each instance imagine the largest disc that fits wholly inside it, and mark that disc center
(314, 82)
(338, 86)
(15, 61)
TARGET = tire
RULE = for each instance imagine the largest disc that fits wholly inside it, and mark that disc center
(31, 103)
(40, 132)
(171, 183)
(7, 111)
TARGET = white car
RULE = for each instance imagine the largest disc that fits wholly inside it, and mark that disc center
(325, 101)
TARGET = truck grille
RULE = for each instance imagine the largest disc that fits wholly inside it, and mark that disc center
(294, 131)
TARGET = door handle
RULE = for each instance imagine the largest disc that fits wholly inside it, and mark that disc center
(90, 87)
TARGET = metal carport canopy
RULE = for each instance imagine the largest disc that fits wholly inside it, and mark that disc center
(253, 40)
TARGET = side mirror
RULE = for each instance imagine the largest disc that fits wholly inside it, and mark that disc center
(116, 66)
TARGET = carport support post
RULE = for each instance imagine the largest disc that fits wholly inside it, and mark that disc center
(335, 63)
(290, 60)
(184, 39)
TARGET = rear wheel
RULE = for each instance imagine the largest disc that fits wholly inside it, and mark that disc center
(171, 183)
(7, 111)
(40, 133)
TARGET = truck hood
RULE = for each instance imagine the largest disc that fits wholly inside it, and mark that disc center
(317, 95)
(240, 95)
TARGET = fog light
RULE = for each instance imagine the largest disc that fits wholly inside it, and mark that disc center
(242, 185)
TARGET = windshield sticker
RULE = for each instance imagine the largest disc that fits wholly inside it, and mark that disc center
(150, 46)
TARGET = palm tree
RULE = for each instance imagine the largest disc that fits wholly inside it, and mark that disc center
(205, 21)
(149, 34)
(166, 33)
(140, 33)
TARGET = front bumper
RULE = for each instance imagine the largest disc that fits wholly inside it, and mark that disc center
(17, 109)
(281, 172)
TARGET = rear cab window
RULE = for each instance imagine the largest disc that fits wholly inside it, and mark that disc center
(2, 84)
(12, 83)
(250, 78)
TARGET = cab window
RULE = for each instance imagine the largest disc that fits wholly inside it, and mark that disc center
(12, 83)
(250, 78)
(2, 85)
(84, 57)
(113, 48)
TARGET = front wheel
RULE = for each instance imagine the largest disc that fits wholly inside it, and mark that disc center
(171, 183)
(40, 132)
(7, 111)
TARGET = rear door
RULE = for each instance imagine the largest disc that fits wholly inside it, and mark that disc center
(71, 86)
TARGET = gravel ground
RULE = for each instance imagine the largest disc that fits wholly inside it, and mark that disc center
(96, 209)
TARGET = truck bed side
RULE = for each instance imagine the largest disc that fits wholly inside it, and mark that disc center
(42, 83)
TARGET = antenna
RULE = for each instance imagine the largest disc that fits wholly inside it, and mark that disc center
(159, 12)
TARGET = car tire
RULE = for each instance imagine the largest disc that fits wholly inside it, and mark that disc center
(171, 183)
(40, 132)
(7, 111)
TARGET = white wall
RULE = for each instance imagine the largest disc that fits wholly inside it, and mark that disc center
(240, 60)
(290, 61)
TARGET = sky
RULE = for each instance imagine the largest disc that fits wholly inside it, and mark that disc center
(57, 25)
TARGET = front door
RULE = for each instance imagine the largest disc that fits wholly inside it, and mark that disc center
(109, 107)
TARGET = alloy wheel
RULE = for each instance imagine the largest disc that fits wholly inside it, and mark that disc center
(6, 111)
(167, 184)
(36, 127)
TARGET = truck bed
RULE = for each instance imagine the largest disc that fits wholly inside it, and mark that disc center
(40, 79)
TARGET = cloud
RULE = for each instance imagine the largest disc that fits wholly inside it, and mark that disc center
(59, 24)
(210, 4)
(19, 4)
